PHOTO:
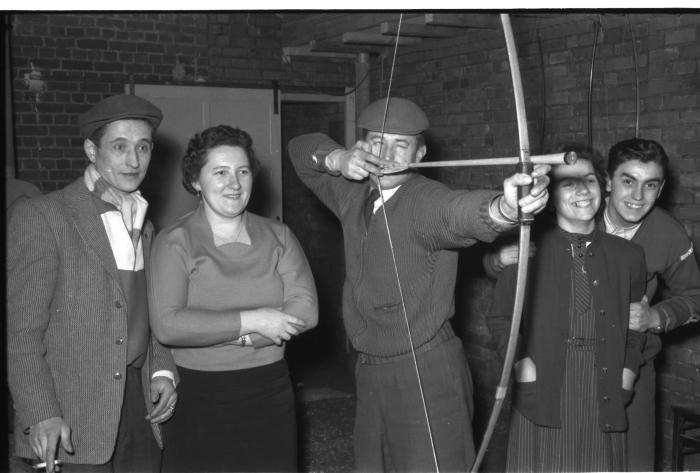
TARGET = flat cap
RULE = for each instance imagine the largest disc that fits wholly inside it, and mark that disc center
(118, 107)
(402, 118)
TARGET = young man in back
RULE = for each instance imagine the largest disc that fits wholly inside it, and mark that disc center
(637, 171)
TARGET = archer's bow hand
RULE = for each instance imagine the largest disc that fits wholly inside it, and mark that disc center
(356, 163)
(535, 200)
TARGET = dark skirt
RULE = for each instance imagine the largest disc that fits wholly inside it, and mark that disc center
(242, 420)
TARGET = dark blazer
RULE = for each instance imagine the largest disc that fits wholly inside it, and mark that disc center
(616, 277)
(67, 322)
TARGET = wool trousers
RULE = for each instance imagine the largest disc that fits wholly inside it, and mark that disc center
(391, 433)
(136, 449)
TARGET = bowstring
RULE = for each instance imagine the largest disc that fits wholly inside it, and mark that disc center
(393, 254)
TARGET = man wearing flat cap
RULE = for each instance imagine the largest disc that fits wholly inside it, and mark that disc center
(81, 359)
(428, 224)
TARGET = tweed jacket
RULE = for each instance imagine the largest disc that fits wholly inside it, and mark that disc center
(67, 323)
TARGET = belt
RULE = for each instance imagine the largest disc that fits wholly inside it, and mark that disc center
(444, 334)
(581, 342)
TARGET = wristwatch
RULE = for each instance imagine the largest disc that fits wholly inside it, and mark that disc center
(661, 325)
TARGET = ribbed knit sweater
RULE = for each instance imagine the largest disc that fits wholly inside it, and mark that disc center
(670, 257)
(670, 262)
(428, 223)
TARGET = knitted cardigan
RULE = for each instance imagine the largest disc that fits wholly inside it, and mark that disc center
(616, 275)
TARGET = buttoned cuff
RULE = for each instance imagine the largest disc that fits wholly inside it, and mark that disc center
(165, 373)
(664, 321)
(497, 215)
(321, 153)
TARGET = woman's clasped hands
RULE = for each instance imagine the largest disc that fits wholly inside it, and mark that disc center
(271, 323)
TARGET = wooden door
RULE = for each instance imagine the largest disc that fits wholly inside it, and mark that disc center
(190, 109)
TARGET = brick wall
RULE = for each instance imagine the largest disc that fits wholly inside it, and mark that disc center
(64, 62)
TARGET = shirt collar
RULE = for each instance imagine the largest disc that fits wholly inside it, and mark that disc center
(386, 195)
(625, 232)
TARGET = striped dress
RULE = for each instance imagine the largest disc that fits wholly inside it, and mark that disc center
(580, 444)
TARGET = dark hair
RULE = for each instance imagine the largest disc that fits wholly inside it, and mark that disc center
(646, 151)
(201, 143)
(96, 136)
(585, 153)
(589, 154)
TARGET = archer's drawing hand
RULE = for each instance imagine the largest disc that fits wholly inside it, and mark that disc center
(356, 163)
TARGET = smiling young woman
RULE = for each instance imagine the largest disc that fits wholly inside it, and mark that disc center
(577, 364)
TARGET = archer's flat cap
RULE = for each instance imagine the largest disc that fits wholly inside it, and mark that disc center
(403, 117)
(118, 107)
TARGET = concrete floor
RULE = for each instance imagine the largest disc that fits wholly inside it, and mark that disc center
(326, 402)
(326, 410)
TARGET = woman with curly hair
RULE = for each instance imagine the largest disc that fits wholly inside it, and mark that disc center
(227, 289)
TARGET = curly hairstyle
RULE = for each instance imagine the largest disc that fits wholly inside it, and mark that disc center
(646, 151)
(201, 143)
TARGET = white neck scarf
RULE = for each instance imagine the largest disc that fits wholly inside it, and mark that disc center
(130, 204)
